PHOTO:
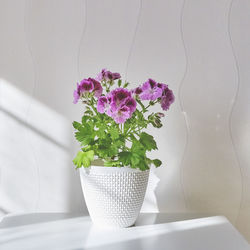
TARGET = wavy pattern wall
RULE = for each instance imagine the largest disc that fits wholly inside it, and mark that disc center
(200, 48)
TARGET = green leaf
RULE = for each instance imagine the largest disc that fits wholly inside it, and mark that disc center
(112, 164)
(101, 130)
(157, 162)
(125, 158)
(113, 150)
(87, 158)
(76, 125)
(86, 133)
(83, 159)
(85, 118)
(135, 159)
(148, 141)
(138, 147)
(78, 159)
(143, 165)
(84, 136)
(119, 83)
(105, 148)
(125, 84)
(89, 112)
(114, 132)
(119, 142)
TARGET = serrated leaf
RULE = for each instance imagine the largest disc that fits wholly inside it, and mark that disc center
(89, 112)
(87, 158)
(104, 148)
(78, 159)
(157, 163)
(85, 118)
(135, 159)
(114, 132)
(148, 141)
(125, 158)
(83, 159)
(119, 142)
(113, 150)
(85, 135)
(138, 147)
(142, 165)
(76, 125)
(101, 133)
(101, 130)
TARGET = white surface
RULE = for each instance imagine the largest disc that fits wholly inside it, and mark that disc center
(201, 48)
(60, 231)
(114, 195)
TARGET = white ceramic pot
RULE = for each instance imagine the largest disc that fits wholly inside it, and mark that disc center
(113, 195)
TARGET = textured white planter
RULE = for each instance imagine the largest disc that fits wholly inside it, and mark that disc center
(113, 195)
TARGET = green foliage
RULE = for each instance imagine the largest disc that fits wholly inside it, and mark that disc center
(85, 135)
(125, 158)
(119, 83)
(148, 141)
(157, 162)
(77, 125)
(125, 84)
(84, 159)
(118, 146)
(114, 133)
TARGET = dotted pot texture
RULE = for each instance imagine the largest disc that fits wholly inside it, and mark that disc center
(113, 195)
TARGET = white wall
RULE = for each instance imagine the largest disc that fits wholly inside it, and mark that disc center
(200, 48)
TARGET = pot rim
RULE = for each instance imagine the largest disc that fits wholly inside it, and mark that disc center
(105, 169)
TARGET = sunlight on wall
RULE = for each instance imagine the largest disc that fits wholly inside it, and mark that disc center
(39, 139)
(19, 105)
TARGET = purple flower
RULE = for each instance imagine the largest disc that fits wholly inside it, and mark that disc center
(107, 75)
(116, 76)
(121, 114)
(118, 104)
(122, 105)
(136, 91)
(97, 87)
(84, 86)
(76, 94)
(131, 104)
(119, 96)
(167, 97)
(87, 86)
(150, 90)
(102, 104)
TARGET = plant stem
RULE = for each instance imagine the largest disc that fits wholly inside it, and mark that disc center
(142, 106)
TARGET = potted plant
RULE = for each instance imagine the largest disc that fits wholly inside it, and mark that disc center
(114, 145)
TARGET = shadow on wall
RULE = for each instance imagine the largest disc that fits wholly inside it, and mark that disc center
(36, 170)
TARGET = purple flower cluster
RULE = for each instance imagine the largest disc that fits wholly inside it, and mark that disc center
(87, 86)
(118, 104)
(167, 97)
(151, 91)
(107, 75)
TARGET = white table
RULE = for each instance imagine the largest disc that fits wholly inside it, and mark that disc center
(152, 231)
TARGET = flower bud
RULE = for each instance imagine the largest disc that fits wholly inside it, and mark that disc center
(159, 114)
